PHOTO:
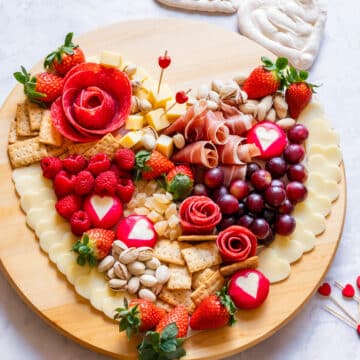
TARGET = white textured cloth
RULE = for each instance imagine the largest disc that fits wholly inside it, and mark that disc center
(31, 28)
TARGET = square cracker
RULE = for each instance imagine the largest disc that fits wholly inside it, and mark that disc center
(201, 256)
(163, 305)
(180, 278)
(80, 148)
(12, 132)
(201, 276)
(214, 283)
(170, 251)
(23, 121)
(48, 134)
(177, 297)
(250, 263)
(108, 145)
(26, 152)
(35, 115)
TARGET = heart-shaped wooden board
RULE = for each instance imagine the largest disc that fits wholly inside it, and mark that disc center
(200, 52)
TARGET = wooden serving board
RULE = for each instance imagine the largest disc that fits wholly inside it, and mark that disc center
(200, 53)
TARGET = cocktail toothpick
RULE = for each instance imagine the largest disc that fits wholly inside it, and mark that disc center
(341, 317)
(164, 62)
(348, 291)
(180, 98)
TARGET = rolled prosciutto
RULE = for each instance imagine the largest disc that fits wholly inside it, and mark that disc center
(199, 215)
(236, 243)
(240, 124)
(200, 153)
(233, 172)
(215, 129)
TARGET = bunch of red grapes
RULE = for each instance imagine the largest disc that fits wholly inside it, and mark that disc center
(264, 201)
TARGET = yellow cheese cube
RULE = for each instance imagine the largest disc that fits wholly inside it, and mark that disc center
(130, 139)
(165, 145)
(141, 74)
(110, 58)
(157, 119)
(160, 99)
(142, 93)
(176, 111)
(134, 122)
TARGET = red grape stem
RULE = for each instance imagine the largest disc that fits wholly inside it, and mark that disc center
(172, 105)
(161, 74)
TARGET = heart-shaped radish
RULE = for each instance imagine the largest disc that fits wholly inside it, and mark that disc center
(136, 230)
(325, 289)
(104, 211)
(269, 138)
(248, 288)
(348, 291)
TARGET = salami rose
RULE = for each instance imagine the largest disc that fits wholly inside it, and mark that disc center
(199, 215)
(96, 100)
(236, 243)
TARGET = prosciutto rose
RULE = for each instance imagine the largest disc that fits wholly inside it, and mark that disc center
(199, 215)
(236, 243)
(96, 100)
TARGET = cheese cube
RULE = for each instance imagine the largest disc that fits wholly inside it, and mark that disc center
(134, 122)
(130, 139)
(160, 99)
(142, 93)
(141, 74)
(157, 119)
(165, 145)
(176, 111)
(110, 58)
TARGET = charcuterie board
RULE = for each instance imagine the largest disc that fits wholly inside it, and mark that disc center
(46, 291)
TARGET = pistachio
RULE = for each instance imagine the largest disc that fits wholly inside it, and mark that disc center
(286, 123)
(203, 92)
(136, 85)
(117, 284)
(145, 253)
(211, 105)
(121, 271)
(148, 280)
(153, 263)
(130, 69)
(129, 255)
(280, 105)
(150, 272)
(110, 274)
(136, 268)
(118, 246)
(157, 289)
(271, 115)
(144, 105)
(147, 294)
(179, 141)
(106, 263)
(134, 104)
(133, 285)
(248, 108)
(214, 96)
(229, 89)
(162, 274)
(216, 85)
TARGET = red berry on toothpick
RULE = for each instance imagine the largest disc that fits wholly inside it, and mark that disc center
(181, 97)
(164, 62)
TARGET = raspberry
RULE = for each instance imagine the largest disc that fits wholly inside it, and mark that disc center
(99, 163)
(120, 173)
(125, 190)
(67, 205)
(125, 158)
(50, 166)
(75, 163)
(105, 183)
(84, 183)
(64, 183)
(80, 222)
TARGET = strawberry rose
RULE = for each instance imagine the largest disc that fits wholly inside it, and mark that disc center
(96, 100)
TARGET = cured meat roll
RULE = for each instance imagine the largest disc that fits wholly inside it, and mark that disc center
(233, 172)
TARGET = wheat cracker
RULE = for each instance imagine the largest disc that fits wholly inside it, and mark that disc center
(107, 144)
(177, 297)
(12, 132)
(169, 252)
(180, 278)
(211, 285)
(199, 277)
(48, 134)
(23, 121)
(35, 115)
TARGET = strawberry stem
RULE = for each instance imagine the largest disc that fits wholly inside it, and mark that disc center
(129, 319)
(86, 253)
(226, 301)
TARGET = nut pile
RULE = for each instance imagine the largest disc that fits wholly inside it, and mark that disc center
(134, 270)
(272, 108)
(157, 204)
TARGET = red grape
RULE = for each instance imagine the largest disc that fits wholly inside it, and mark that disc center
(260, 228)
(255, 203)
(269, 215)
(276, 166)
(200, 189)
(286, 207)
(239, 188)
(298, 134)
(228, 204)
(296, 191)
(251, 168)
(285, 225)
(217, 193)
(297, 172)
(226, 222)
(275, 195)
(246, 221)
(261, 179)
(294, 153)
(269, 239)
(214, 178)
(278, 182)
(242, 209)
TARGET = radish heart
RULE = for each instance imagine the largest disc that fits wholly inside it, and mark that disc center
(266, 137)
(136, 230)
(101, 205)
(249, 283)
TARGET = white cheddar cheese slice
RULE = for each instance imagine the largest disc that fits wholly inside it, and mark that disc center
(287, 248)
(31, 170)
(49, 238)
(318, 203)
(113, 302)
(305, 237)
(314, 222)
(35, 215)
(332, 153)
(74, 271)
(98, 295)
(272, 266)
(84, 284)
(65, 260)
(318, 163)
(326, 188)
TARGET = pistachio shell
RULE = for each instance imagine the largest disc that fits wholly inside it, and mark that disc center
(147, 294)
(106, 263)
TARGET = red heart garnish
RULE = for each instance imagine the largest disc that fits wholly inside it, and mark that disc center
(348, 291)
(181, 97)
(358, 282)
(164, 61)
(358, 329)
(325, 289)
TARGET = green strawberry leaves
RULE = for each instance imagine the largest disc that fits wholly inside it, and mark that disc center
(129, 319)
(161, 346)
(180, 186)
(277, 68)
(226, 301)
(293, 76)
(141, 158)
(85, 251)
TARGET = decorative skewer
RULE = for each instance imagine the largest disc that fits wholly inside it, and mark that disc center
(348, 291)
(164, 62)
(180, 98)
(341, 317)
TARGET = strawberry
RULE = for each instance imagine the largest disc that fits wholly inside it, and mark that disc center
(138, 316)
(214, 312)
(165, 342)
(298, 93)
(152, 164)
(94, 245)
(267, 79)
(65, 57)
(41, 88)
(180, 181)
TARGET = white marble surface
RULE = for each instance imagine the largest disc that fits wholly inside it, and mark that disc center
(29, 29)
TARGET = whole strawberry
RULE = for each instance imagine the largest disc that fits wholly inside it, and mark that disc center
(213, 312)
(138, 316)
(94, 245)
(65, 57)
(152, 164)
(180, 182)
(267, 79)
(41, 88)
(180, 316)
(298, 93)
